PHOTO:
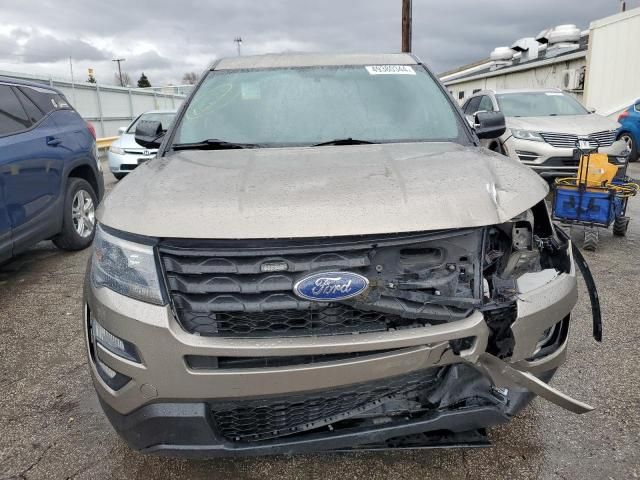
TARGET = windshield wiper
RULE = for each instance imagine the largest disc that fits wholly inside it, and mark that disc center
(212, 144)
(343, 141)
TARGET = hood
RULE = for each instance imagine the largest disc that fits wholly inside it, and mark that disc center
(321, 191)
(573, 124)
(128, 140)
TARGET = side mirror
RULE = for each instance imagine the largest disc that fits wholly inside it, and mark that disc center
(489, 124)
(149, 133)
(470, 119)
(121, 130)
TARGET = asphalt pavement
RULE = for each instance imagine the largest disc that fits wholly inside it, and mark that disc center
(51, 425)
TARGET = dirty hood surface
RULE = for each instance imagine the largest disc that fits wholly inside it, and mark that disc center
(322, 191)
(573, 124)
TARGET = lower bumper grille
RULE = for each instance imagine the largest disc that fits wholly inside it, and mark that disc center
(333, 319)
(263, 419)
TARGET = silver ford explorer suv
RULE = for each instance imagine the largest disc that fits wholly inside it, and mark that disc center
(322, 257)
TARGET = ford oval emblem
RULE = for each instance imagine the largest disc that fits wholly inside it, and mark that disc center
(330, 286)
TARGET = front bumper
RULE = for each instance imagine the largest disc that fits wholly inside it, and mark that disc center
(550, 161)
(193, 434)
(166, 404)
(127, 162)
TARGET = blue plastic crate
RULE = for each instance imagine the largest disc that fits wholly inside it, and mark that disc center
(591, 207)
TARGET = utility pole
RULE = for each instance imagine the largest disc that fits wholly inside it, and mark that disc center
(118, 60)
(406, 25)
(73, 88)
(238, 41)
(623, 6)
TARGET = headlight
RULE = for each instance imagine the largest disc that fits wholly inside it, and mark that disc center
(526, 135)
(125, 267)
(116, 150)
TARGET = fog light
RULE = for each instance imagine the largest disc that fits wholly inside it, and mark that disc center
(114, 344)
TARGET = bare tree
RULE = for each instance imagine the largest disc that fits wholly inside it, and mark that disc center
(126, 79)
(190, 78)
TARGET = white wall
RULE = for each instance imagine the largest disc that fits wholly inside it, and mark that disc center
(544, 76)
(107, 107)
(613, 73)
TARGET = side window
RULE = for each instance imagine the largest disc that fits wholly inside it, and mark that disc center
(13, 118)
(35, 115)
(486, 104)
(472, 106)
(46, 100)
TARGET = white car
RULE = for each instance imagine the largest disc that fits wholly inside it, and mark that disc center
(125, 154)
(543, 126)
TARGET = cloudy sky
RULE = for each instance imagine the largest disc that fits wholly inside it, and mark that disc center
(166, 38)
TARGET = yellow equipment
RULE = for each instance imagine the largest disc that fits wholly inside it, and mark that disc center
(596, 173)
(595, 170)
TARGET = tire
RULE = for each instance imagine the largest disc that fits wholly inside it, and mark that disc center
(78, 221)
(620, 226)
(119, 176)
(632, 144)
(590, 240)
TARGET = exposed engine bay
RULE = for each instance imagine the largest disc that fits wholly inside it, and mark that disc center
(452, 274)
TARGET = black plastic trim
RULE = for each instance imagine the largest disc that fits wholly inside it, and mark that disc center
(186, 429)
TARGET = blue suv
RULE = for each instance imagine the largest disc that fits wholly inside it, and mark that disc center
(50, 178)
(630, 129)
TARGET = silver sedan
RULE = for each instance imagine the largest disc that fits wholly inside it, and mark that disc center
(125, 154)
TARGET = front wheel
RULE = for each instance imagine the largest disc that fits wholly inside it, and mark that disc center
(632, 146)
(79, 218)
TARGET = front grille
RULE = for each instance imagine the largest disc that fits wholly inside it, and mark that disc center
(567, 140)
(262, 419)
(221, 289)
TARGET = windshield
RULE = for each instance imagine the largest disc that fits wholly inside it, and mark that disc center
(165, 118)
(539, 104)
(307, 106)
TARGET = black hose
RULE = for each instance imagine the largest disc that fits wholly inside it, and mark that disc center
(593, 292)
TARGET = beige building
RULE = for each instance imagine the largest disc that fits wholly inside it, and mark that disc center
(600, 66)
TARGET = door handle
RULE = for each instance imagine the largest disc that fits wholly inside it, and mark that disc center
(53, 141)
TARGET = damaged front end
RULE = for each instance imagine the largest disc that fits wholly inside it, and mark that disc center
(456, 331)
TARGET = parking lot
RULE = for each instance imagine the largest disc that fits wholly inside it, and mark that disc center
(52, 426)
